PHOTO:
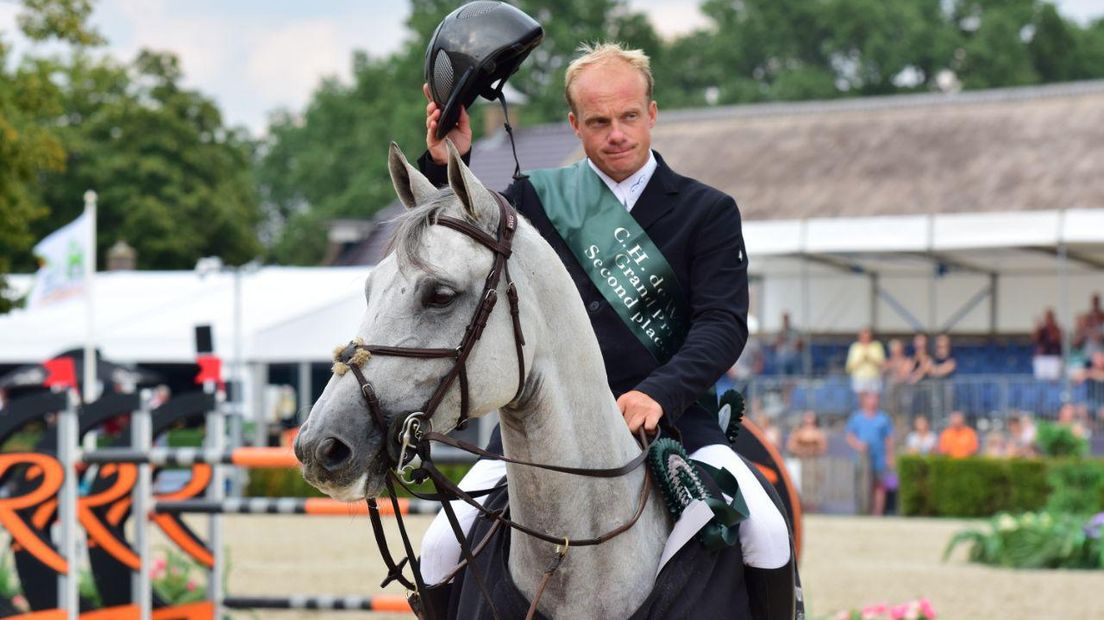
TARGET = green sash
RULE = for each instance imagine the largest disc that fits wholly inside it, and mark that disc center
(617, 255)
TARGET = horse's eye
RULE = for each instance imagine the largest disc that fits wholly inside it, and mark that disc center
(439, 296)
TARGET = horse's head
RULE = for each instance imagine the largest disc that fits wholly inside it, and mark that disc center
(422, 296)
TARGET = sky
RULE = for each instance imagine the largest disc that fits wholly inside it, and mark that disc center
(256, 56)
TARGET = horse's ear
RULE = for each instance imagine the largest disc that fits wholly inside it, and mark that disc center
(411, 186)
(462, 181)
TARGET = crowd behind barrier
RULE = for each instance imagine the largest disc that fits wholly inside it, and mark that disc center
(976, 396)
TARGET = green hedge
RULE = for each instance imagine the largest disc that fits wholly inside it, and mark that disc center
(981, 486)
(290, 483)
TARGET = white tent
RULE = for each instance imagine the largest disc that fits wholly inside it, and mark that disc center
(965, 272)
(150, 316)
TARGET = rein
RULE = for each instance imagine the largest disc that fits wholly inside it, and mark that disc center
(407, 437)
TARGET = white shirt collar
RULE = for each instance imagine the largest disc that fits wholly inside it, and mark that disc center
(629, 190)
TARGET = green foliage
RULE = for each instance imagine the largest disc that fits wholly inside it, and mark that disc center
(27, 147)
(279, 483)
(290, 483)
(172, 180)
(9, 582)
(1077, 488)
(980, 487)
(66, 20)
(174, 578)
(1059, 440)
(1032, 540)
(86, 587)
(330, 162)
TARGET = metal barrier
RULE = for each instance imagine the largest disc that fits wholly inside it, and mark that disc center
(977, 396)
(131, 486)
(316, 506)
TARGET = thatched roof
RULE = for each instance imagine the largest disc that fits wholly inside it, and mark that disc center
(1002, 150)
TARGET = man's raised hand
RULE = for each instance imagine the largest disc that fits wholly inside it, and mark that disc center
(461, 134)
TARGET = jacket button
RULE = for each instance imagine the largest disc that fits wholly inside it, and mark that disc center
(594, 305)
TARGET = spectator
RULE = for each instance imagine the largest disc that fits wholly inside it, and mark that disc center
(921, 360)
(943, 365)
(807, 440)
(1068, 417)
(1093, 380)
(996, 445)
(808, 443)
(921, 440)
(788, 346)
(1081, 347)
(870, 434)
(1048, 348)
(898, 374)
(1094, 318)
(920, 401)
(865, 361)
(1021, 432)
(958, 440)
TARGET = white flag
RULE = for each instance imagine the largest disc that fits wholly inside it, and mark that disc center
(63, 256)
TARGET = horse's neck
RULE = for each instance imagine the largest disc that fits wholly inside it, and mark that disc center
(572, 419)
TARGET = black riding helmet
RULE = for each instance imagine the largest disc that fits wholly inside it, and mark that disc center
(472, 52)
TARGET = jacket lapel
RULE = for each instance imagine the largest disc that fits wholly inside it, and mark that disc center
(659, 197)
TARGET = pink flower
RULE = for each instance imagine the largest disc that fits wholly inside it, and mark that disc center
(897, 612)
(19, 601)
(158, 568)
(191, 585)
(875, 610)
(927, 609)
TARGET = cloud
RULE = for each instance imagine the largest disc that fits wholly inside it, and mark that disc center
(285, 64)
(254, 56)
(671, 18)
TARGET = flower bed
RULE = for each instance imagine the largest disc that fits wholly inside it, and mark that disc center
(920, 609)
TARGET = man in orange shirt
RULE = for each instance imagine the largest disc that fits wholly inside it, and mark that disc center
(958, 440)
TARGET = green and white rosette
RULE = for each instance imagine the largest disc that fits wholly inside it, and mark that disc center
(682, 487)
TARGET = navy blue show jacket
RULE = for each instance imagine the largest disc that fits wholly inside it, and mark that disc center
(697, 228)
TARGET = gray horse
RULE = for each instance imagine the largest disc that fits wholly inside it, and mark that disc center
(423, 295)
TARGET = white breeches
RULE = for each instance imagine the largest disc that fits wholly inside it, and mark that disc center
(764, 537)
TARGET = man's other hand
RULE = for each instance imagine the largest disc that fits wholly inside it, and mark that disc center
(639, 410)
(461, 134)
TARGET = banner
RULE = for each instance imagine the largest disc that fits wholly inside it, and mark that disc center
(618, 256)
(63, 257)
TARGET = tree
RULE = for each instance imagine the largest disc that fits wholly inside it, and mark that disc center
(29, 146)
(330, 161)
(172, 180)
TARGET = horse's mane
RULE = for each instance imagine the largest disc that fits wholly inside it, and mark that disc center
(410, 227)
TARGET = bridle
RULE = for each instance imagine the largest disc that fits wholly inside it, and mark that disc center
(407, 437)
(405, 432)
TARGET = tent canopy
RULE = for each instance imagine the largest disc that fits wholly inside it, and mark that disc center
(964, 272)
(150, 316)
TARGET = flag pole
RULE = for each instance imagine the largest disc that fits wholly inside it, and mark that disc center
(89, 292)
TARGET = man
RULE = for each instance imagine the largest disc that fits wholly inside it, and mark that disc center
(958, 441)
(695, 227)
(788, 346)
(870, 435)
(865, 361)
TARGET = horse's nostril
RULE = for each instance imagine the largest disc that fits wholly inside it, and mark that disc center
(332, 453)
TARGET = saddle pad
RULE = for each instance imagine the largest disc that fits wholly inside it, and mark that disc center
(693, 582)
